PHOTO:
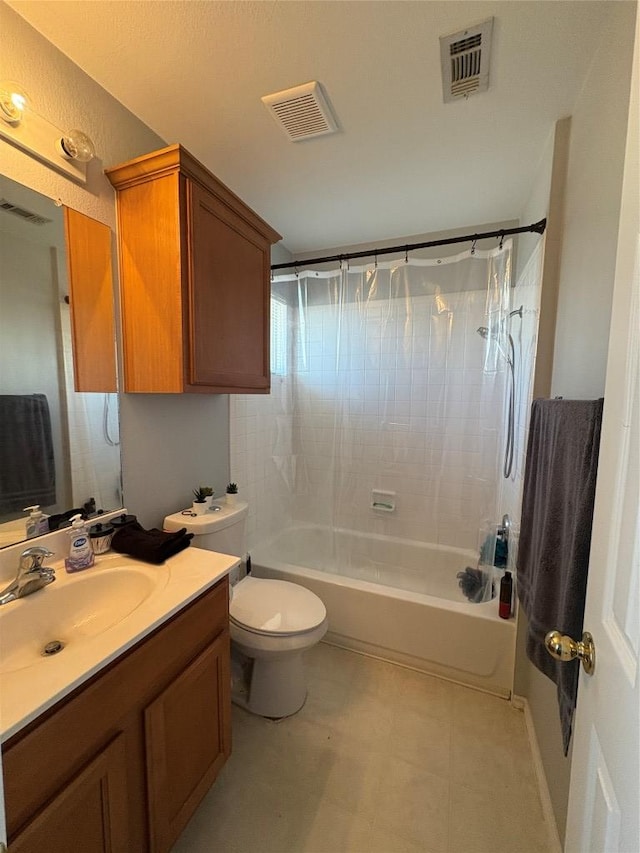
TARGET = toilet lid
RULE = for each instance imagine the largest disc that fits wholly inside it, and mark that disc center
(275, 607)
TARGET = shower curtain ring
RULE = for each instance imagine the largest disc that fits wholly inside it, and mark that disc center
(406, 254)
(473, 247)
(375, 260)
(501, 242)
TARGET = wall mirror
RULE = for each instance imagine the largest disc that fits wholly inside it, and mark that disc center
(59, 430)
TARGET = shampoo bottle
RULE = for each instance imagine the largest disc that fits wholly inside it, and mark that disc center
(37, 523)
(80, 551)
(506, 596)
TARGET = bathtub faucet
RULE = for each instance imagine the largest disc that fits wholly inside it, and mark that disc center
(505, 528)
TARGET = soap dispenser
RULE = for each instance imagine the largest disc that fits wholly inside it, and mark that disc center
(37, 523)
(80, 551)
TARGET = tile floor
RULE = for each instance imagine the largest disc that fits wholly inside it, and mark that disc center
(381, 759)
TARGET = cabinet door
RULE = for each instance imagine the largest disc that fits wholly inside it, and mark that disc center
(89, 814)
(91, 298)
(188, 736)
(229, 272)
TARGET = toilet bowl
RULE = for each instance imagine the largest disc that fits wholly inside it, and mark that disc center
(271, 622)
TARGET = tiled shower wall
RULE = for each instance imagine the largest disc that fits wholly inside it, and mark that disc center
(394, 397)
(94, 436)
(405, 397)
(262, 462)
(525, 335)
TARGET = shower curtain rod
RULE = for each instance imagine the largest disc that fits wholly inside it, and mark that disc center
(538, 227)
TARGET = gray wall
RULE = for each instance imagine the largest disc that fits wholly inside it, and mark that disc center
(579, 180)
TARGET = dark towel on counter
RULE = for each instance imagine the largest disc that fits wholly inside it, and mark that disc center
(152, 546)
(555, 534)
(27, 468)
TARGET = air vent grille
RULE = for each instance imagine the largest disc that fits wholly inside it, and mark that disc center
(301, 112)
(23, 213)
(465, 44)
(465, 61)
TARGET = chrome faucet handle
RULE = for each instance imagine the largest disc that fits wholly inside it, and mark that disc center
(505, 528)
(32, 558)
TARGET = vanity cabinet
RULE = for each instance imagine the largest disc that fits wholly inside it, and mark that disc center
(195, 279)
(121, 764)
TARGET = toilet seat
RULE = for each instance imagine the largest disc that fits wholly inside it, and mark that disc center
(275, 608)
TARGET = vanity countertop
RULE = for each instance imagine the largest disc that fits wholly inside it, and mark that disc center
(32, 683)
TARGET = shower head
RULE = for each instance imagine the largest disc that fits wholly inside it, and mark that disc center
(494, 333)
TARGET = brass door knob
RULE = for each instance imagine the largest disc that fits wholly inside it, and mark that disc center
(564, 648)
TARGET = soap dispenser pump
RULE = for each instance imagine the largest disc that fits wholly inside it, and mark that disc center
(80, 551)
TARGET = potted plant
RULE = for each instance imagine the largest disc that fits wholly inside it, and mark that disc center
(232, 494)
(207, 491)
(200, 500)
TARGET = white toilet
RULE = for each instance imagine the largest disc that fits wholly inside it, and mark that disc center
(272, 623)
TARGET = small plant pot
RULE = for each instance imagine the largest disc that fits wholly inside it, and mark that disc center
(231, 499)
(199, 507)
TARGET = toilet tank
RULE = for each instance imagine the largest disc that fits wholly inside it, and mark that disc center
(222, 528)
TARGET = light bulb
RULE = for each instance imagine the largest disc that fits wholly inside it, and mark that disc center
(76, 145)
(13, 102)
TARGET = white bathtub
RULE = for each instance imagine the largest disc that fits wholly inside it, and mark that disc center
(397, 600)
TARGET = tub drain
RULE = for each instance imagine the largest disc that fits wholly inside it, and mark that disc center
(53, 648)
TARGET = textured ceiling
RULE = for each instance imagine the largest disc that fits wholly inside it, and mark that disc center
(403, 162)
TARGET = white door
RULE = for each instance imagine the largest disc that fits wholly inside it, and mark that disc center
(604, 799)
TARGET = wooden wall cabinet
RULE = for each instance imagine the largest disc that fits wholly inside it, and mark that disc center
(195, 279)
(88, 245)
(121, 764)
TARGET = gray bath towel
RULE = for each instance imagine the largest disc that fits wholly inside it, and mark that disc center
(555, 534)
(27, 467)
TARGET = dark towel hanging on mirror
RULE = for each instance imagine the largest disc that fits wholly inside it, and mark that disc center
(27, 466)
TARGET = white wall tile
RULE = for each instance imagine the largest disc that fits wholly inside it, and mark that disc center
(411, 409)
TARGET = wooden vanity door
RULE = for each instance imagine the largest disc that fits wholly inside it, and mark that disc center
(89, 814)
(188, 737)
(229, 294)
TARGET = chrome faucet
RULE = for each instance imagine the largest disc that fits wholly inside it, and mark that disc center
(32, 575)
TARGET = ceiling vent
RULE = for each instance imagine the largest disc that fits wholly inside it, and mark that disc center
(301, 112)
(25, 215)
(465, 61)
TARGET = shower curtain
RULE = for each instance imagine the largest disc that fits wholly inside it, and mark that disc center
(387, 409)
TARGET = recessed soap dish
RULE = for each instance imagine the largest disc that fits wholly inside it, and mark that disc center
(383, 501)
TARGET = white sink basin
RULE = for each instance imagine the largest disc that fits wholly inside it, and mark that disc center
(98, 614)
(72, 608)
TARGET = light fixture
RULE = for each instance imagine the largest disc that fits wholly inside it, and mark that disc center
(13, 102)
(76, 145)
(20, 125)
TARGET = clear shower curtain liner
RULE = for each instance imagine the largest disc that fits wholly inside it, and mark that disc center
(393, 383)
